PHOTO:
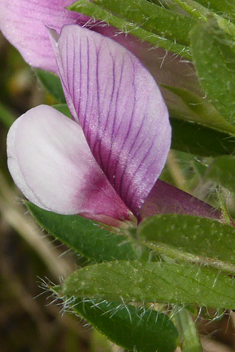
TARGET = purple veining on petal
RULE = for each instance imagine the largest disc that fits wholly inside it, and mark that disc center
(50, 161)
(23, 24)
(122, 112)
(167, 199)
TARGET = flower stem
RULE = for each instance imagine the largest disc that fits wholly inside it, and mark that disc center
(187, 330)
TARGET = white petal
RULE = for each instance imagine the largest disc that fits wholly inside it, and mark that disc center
(51, 163)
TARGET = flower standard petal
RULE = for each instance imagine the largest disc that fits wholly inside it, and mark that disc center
(120, 108)
(51, 163)
(23, 24)
(167, 199)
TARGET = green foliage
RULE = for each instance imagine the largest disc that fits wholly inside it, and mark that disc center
(208, 241)
(152, 18)
(133, 328)
(213, 56)
(148, 30)
(225, 8)
(188, 331)
(63, 108)
(193, 8)
(199, 110)
(83, 236)
(152, 282)
(197, 139)
(222, 171)
(52, 84)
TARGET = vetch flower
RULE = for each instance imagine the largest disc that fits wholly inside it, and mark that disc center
(104, 163)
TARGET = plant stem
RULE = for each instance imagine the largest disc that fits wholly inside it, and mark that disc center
(187, 331)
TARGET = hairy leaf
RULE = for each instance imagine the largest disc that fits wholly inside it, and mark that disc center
(152, 282)
(208, 241)
(213, 56)
(133, 328)
(127, 26)
(83, 236)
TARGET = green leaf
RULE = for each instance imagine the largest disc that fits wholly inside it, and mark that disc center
(83, 236)
(200, 140)
(152, 282)
(133, 328)
(193, 235)
(63, 108)
(90, 9)
(213, 57)
(200, 12)
(198, 109)
(193, 8)
(222, 171)
(226, 8)
(152, 18)
(52, 84)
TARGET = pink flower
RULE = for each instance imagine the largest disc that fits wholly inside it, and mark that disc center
(104, 163)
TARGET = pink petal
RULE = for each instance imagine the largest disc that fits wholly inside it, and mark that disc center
(51, 163)
(120, 108)
(23, 23)
(167, 68)
(166, 199)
